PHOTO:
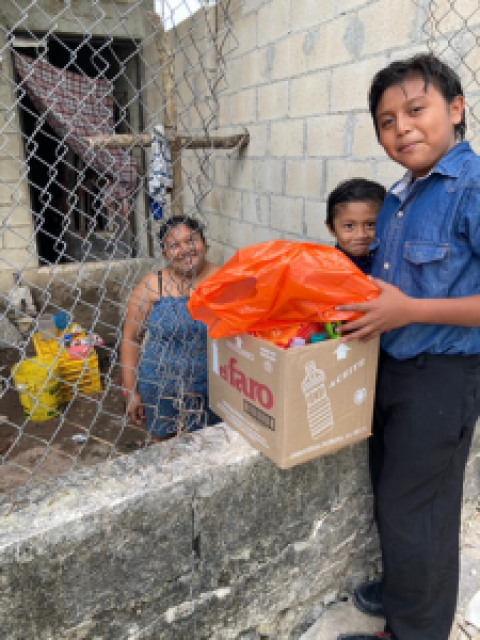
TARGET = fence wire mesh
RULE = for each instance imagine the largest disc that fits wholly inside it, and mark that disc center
(452, 33)
(106, 119)
(84, 88)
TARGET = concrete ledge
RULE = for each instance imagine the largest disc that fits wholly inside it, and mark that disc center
(206, 534)
(202, 539)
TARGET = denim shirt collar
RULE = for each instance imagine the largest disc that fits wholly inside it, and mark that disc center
(449, 166)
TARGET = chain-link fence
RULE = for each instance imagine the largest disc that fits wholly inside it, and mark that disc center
(108, 119)
(107, 124)
(451, 32)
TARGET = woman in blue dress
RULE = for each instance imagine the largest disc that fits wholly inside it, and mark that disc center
(164, 351)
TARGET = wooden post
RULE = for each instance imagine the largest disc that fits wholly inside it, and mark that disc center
(238, 140)
(167, 61)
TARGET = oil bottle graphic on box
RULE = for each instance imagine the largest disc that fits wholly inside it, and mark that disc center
(319, 409)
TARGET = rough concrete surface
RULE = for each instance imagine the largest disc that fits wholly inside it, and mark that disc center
(198, 538)
(204, 538)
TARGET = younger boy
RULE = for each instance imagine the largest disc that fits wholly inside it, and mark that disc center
(352, 209)
(427, 263)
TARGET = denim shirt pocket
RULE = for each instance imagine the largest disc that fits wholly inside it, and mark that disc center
(425, 269)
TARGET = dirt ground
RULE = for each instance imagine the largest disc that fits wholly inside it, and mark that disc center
(39, 451)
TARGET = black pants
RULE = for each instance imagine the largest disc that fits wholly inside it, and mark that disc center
(425, 414)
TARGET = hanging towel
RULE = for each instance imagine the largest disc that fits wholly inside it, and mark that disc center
(159, 172)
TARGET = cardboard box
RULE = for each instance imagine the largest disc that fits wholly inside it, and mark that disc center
(297, 404)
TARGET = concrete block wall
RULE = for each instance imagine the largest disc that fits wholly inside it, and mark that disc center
(298, 77)
(18, 246)
(17, 240)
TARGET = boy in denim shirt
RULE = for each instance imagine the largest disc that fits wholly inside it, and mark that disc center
(427, 263)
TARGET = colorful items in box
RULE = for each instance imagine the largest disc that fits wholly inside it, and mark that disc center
(309, 332)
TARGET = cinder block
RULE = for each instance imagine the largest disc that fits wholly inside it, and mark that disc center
(10, 169)
(350, 84)
(231, 203)
(19, 193)
(325, 45)
(9, 122)
(258, 143)
(6, 191)
(339, 169)
(17, 237)
(273, 20)
(202, 113)
(315, 216)
(242, 234)
(288, 60)
(287, 214)
(256, 208)
(245, 30)
(223, 110)
(216, 253)
(234, 74)
(327, 136)
(387, 25)
(10, 145)
(265, 234)
(18, 258)
(273, 101)
(309, 95)
(365, 143)
(242, 173)
(221, 172)
(249, 71)
(307, 13)
(304, 178)
(11, 215)
(348, 5)
(388, 172)
(286, 138)
(6, 92)
(210, 203)
(270, 176)
(217, 228)
(252, 5)
(242, 107)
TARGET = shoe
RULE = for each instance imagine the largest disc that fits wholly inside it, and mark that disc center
(368, 598)
(365, 636)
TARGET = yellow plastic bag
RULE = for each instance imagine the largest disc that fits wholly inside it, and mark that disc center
(38, 385)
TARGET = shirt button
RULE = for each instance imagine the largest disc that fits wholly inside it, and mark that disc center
(400, 214)
(386, 266)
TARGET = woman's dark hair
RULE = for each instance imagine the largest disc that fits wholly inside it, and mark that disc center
(354, 190)
(175, 221)
(426, 66)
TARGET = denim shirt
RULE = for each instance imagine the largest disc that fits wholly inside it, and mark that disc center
(428, 245)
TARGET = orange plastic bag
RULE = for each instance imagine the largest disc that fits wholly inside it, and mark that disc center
(276, 284)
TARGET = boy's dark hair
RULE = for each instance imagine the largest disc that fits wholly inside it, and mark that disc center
(175, 221)
(426, 66)
(354, 190)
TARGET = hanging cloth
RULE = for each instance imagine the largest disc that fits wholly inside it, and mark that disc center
(77, 107)
(159, 172)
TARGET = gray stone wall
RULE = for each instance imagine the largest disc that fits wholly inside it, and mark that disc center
(205, 539)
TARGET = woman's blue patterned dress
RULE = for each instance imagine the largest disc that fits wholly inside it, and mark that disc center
(172, 373)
